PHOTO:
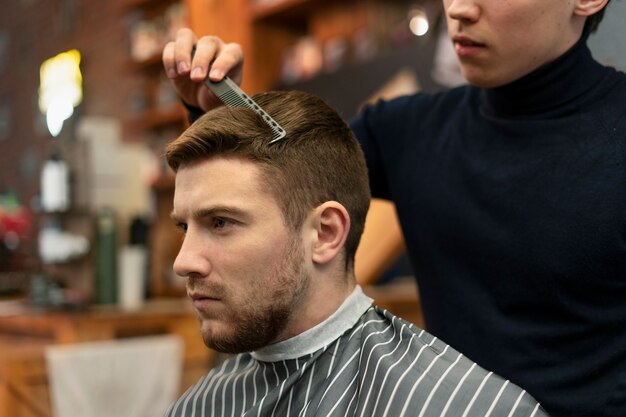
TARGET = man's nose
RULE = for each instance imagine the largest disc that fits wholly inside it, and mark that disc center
(192, 259)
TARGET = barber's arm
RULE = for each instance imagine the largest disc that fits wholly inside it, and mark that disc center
(381, 244)
(187, 74)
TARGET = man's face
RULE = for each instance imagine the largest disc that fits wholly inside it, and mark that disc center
(244, 267)
(499, 41)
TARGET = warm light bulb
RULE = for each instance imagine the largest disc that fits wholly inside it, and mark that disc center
(418, 22)
(60, 89)
(59, 111)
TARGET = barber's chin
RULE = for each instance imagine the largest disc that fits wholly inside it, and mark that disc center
(489, 79)
(480, 77)
(483, 82)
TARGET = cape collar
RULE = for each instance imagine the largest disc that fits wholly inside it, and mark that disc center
(321, 335)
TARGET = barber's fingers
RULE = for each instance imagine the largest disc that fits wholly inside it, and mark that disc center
(169, 60)
(210, 52)
(187, 72)
(176, 55)
(207, 48)
(177, 65)
(222, 58)
(228, 60)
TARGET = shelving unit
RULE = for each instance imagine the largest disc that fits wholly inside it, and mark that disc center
(286, 10)
(156, 117)
(267, 30)
(154, 103)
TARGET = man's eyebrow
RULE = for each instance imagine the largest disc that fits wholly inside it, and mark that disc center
(212, 211)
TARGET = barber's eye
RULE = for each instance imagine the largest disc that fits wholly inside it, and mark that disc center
(182, 226)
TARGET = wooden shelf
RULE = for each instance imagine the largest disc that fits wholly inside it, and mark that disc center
(293, 10)
(157, 119)
(129, 5)
(152, 63)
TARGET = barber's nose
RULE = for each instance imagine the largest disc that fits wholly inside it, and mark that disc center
(192, 259)
(463, 10)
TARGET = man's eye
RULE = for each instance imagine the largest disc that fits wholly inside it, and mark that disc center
(220, 223)
(182, 226)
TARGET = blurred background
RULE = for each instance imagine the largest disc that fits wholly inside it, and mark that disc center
(86, 244)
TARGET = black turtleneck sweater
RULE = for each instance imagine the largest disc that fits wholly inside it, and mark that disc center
(513, 206)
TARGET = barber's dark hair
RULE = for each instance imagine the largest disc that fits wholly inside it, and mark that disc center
(319, 160)
(593, 21)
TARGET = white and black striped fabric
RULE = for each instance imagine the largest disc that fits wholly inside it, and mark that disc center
(380, 366)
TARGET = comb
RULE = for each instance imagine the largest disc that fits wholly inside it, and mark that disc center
(231, 95)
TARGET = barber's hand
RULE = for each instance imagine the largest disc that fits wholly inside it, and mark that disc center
(187, 76)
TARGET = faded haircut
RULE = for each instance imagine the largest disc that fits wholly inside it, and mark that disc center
(319, 159)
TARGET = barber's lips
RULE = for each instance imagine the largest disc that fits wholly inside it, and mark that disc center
(466, 47)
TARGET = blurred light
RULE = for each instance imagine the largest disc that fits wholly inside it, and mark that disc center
(60, 88)
(58, 112)
(418, 22)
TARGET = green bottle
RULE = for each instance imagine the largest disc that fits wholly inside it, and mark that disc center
(106, 257)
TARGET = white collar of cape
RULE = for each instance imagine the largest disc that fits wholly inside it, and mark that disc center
(324, 333)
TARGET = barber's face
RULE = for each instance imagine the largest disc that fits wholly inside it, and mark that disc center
(244, 267)
(499, 41)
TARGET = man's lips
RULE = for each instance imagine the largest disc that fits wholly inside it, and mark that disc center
(202, 300)
(199, 296)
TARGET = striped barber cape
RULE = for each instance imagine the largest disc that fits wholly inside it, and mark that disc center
(362, 361)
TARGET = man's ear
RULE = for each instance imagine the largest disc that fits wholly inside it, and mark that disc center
(589, 7)
(332, 223)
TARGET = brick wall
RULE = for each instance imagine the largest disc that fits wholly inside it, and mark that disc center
(34, 30)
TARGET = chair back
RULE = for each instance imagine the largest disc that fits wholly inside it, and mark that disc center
(136, 377)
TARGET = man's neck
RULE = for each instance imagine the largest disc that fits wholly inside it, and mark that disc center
(322, 301)
(325, 332)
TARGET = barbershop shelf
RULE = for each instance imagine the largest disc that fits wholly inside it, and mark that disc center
(157, 118)
(152, 63)
(295, 11)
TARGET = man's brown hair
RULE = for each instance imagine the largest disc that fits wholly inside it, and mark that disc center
(319, 159)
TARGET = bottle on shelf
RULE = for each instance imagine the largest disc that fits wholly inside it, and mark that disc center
(55, 184)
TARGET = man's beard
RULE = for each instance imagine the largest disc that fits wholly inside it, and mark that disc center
(258, 326)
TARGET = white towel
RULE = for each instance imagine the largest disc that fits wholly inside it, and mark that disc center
(120, 378)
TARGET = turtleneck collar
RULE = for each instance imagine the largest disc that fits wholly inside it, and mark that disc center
(551, 89)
